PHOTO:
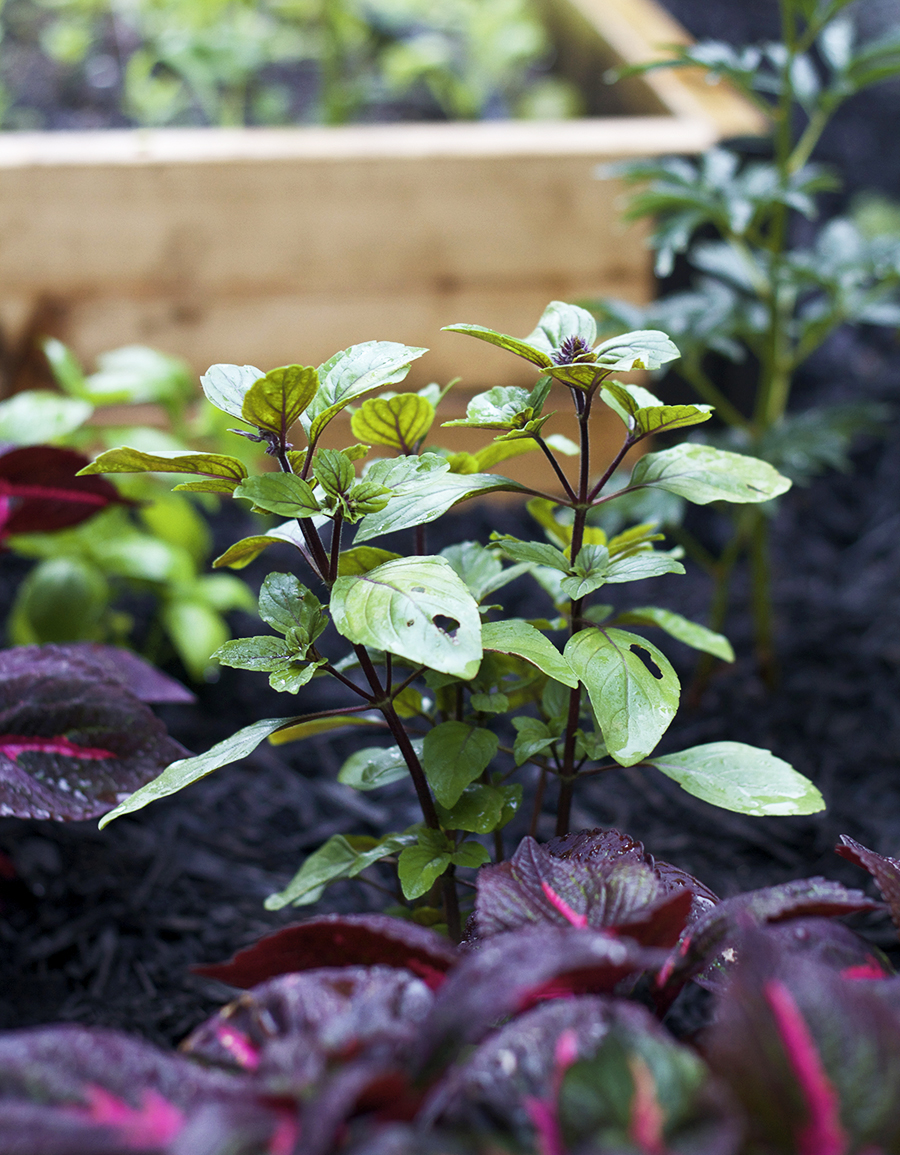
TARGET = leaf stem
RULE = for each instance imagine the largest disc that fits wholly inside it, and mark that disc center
(336, 531)
(557, 468)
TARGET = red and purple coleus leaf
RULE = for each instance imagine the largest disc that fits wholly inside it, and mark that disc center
(598, 879)
(523, 1064)
(336, 940)
(885, 871)
(813, 1057)
(39, 490)
(714, 934)
(117, 1092)
(509, 973)
(289, 1030)
(73, 741)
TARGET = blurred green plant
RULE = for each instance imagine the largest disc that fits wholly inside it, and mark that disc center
(761, 293)
(159, 546)
(231, 62)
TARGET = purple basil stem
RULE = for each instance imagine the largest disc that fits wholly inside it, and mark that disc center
(74, 742)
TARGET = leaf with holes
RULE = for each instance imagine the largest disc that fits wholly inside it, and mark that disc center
(741, 778)
(400, 607)
(633, 706)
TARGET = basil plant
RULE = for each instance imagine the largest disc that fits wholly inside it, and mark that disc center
(472, 698)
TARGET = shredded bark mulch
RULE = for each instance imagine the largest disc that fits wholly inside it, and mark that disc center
(103, 927)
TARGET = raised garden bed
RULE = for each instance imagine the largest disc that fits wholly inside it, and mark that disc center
(272, 245)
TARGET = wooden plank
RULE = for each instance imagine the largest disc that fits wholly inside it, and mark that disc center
(280, 245)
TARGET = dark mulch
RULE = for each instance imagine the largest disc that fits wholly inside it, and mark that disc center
(103, 927)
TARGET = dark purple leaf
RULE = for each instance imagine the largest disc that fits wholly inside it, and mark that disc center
(40, 492)
(524, 1061)
(93, 659)
(713, 935)
(885, 871)
(511, 972)
(289, 1030)
(814, 1057)
(102, 1088)
(600, 879)
(340, 940)
(73, 742)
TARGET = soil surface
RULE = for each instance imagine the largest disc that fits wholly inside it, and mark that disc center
(103, 927)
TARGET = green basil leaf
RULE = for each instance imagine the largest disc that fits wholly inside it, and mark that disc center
(227, 470)
(226, 386)
(518, 637)
(741, 778)
(399, 422)
(287, 605)
(342, 856)
(470, 854)
(249, 548)
(352, 372)
(633, 706)
(284, 494)
(503, 407)
(314, 726)
(561, 322)
(276, 401)
(533, 737)
(396, 607)
(375, 766)
(187, 770)
(481, 809)
(263, 652)
(534, 552)
(362, 558)
(643, 349)
(421, 865)
(455, 754)
(681, 628)
(36, 416)
(703, 474)
(423, 490)
(511, 344)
